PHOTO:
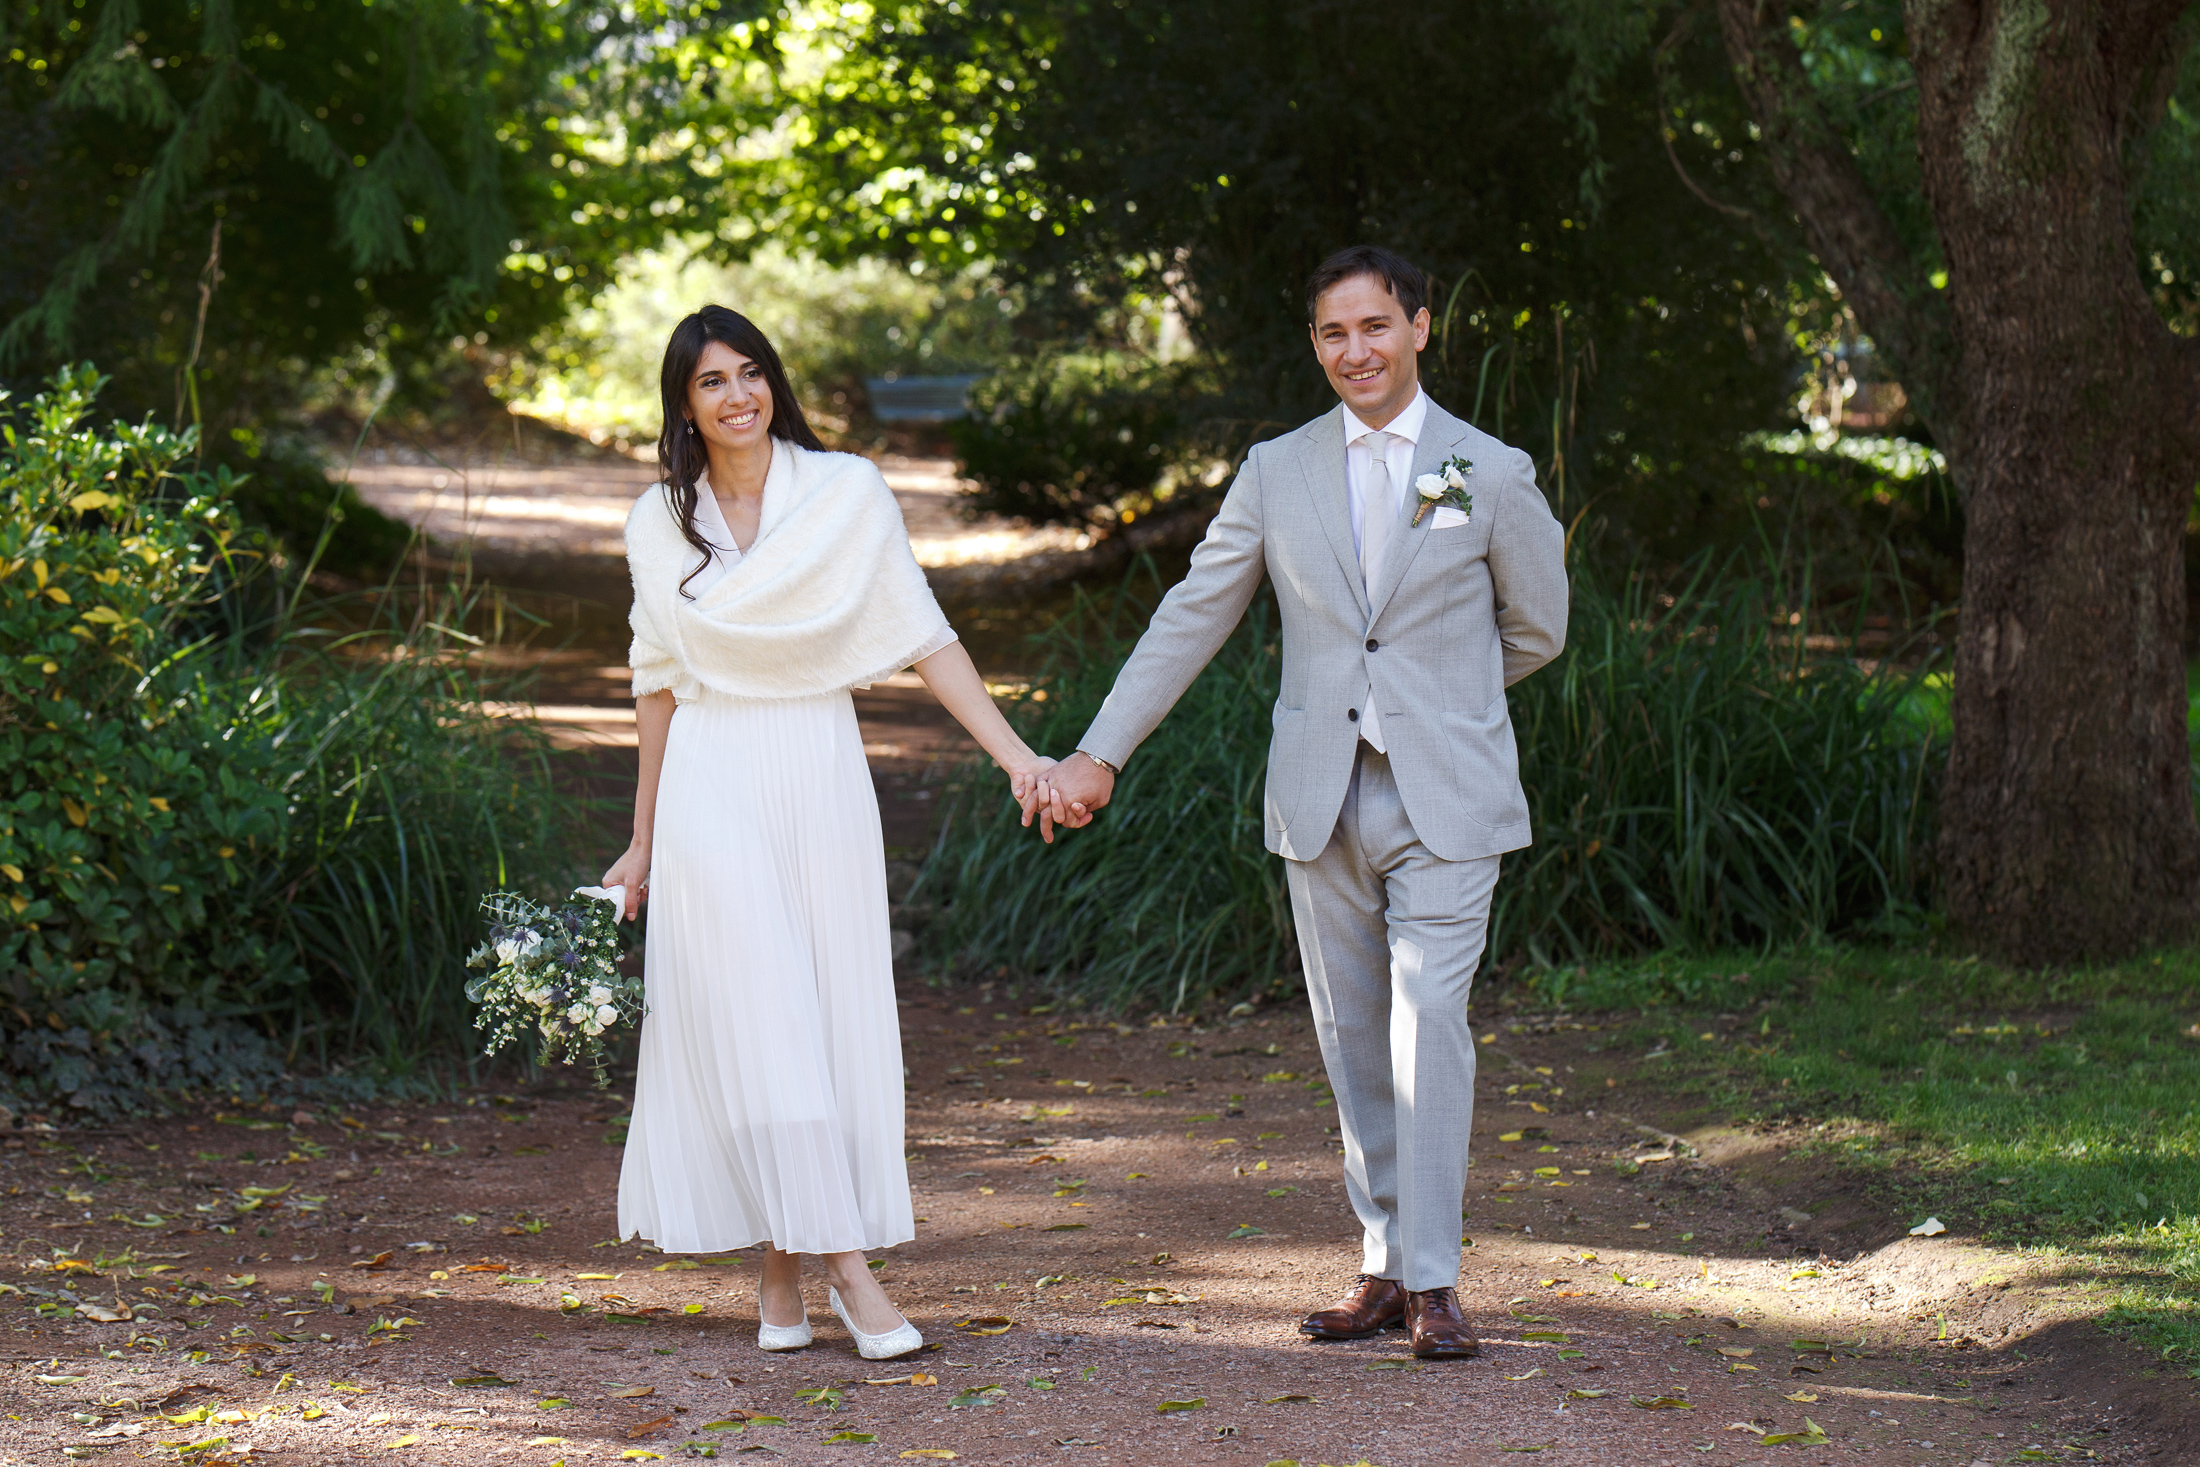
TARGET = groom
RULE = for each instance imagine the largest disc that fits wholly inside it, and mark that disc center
(1409, 604)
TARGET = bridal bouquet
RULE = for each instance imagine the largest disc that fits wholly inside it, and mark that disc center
(553, 974)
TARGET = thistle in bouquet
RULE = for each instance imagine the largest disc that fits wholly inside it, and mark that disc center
(553, 976)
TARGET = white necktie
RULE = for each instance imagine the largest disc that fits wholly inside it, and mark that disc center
(1378, 508)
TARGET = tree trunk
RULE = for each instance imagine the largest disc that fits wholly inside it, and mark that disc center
(2070, 416)
(2067, 818)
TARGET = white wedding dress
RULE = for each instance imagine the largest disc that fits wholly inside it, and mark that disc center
(768, 1106)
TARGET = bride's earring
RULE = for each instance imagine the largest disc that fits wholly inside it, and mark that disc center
(691, 425)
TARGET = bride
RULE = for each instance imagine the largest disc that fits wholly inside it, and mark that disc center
(770, 578)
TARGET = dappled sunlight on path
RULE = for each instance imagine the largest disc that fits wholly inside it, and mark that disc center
(1111, 1218)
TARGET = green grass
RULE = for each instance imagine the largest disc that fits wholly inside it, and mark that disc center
(2048, 1112)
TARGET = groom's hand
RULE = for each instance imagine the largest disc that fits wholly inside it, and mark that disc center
(1076, 788)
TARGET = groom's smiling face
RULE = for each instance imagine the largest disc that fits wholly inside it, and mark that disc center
(1368, 349)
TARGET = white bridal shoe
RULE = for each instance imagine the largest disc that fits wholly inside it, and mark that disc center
(781, 1336)
(895, 1343)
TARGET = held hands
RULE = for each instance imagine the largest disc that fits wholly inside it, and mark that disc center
(1073, 790)
(632, 872)
(1027, 782)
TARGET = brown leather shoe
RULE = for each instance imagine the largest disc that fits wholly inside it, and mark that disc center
(1439, 1330)
(1369, 1307)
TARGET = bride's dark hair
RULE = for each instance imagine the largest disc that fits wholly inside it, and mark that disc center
(679, 451)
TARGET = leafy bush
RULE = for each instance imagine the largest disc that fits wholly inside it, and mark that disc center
(1075, 440)
(1170, 896)
(213, 828)
(1697, 778)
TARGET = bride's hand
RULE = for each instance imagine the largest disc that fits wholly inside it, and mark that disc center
(1028, 783)
(631, 871)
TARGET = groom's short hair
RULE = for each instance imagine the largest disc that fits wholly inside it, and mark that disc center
(1400, 276)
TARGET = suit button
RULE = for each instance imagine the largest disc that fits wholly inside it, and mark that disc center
(1372, 644)
(1353, 714)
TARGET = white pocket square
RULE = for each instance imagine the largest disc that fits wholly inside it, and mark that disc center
(1448, 518)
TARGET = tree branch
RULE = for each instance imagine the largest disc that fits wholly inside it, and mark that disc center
(1842, 222)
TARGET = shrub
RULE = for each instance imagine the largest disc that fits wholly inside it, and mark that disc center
(214, 828)
(1075, 440)
(1698, 779)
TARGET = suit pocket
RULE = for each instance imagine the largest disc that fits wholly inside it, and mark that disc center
(1486, 762)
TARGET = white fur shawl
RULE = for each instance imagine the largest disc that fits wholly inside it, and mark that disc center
(827, 597)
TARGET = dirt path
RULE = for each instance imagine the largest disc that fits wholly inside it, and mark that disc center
(1141, 1214)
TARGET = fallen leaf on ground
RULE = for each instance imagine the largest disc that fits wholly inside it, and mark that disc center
(1247, 1230)
(1812, 1435)
(1292, 1400)
(677, 1265)
(481, 1380)
(1154, 1324)
(864, 1438)
(1067, 1227)
(632, 1393)
(1587, 1395)
(403, 1441)
(379, 1260)
(1531, 1375)
(1194, 1404)
(1806, 1397)
(1738, 1352)
(1753, 1430)
(494, 1268)
(1547, 1337)
(1394, 1362)
(645, 1428)
(938, 1454)
(1662, 1403)
(987, 1324)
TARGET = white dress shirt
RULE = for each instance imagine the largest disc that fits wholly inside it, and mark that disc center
(1405, 431)
(1359, 456)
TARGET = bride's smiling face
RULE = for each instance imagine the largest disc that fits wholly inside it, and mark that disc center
(729, 402)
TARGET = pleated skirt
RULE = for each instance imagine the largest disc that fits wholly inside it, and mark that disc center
(768, 1106)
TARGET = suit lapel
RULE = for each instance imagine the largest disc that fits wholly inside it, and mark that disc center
(1321, 461)
(1440, 434)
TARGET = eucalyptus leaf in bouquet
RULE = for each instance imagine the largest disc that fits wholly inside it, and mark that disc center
(553, 975)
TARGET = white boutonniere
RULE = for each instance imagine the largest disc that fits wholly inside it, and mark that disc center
(1448, 485)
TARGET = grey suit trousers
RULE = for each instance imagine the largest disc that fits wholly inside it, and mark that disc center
(1391, 936)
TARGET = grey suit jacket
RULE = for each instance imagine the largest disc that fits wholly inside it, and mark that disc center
(1457, 616)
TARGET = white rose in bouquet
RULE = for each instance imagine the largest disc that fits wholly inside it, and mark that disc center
(607, 1014)
(599, 996)
(577, 1014)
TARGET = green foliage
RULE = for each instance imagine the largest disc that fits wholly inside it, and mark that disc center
(1127, 160)
(1170, 897)
(1079, 440)
(2052, 1111)
(212, 820)
(130, 822)
(832, 325)
(1698, 779)
(385, 173)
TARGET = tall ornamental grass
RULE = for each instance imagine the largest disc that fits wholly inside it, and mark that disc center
(1698, 779)
(234, 838)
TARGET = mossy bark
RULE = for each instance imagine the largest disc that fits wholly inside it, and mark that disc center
(2071, 419)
